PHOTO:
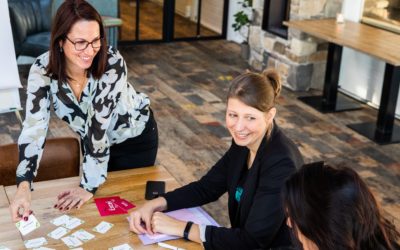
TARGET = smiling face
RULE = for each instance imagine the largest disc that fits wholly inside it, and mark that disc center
(81, 31)
(246, 124)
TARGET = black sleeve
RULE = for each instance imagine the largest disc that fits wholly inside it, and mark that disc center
(266, 215)
(208, 189)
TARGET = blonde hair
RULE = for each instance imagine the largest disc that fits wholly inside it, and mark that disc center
(257, 90)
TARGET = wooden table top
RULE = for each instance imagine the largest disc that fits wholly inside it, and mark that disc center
(3, 197)
(373, 41)
(128, 184)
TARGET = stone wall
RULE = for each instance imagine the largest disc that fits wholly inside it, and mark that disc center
(301, 59)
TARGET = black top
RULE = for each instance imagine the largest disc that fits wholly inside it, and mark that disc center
(259, 221)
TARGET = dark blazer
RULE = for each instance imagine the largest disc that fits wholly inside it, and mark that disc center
(259, 220)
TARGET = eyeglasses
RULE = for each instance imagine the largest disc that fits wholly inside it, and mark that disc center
(82, 45)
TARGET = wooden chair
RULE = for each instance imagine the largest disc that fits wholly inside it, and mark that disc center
(61, 159)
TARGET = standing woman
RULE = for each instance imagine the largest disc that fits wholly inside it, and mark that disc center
(87, 83)
(333, 209)
(252, 171)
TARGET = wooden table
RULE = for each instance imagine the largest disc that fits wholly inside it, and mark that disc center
(128, 184)
(3, 198)
(375, 42)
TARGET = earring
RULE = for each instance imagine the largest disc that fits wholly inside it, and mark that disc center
(61, 50)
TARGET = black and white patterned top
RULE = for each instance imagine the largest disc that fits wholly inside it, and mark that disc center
(108, 112)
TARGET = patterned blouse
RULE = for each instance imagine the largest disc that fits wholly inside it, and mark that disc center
(108, 112)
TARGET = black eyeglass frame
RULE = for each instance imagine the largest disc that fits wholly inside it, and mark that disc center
(87, 43)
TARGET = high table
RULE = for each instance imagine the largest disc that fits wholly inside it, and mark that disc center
(375, 42)
(128, 184)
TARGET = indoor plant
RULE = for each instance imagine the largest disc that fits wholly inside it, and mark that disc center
(242, 20)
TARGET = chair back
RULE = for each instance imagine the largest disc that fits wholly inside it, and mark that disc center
(60, 159)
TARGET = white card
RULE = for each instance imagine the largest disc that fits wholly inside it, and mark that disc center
(28, 226)
(62, 220)
(58, 233)
(4, 248)
(34, 243)
(83, 235)
(43, 248)
(103, 227)
(121, 247)
(71, 241)
(73, 223)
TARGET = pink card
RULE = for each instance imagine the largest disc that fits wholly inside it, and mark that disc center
(124, 204)
(107, 206)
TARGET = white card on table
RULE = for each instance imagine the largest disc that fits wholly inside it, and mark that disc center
(83, 235)
(58, 233)
(43, 248)
(34, 243)
(73, 223)
(71, 241)
(28, 226)
(121, 247)
(61, 220)
(103, 227)
(4, 248)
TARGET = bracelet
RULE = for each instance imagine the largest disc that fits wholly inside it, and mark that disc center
(187, 230)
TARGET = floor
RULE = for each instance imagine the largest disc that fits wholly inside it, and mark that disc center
(151, 20)
(187, 83)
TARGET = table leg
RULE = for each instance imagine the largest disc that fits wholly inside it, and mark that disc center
(384, 131)
(331, 101)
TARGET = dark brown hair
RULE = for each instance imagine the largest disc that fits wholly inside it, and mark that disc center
(67, 15)
(335, 209)
(256, 90)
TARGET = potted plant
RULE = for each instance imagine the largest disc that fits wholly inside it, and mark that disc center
(242, 20)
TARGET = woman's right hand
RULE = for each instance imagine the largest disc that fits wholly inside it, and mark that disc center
(22, 200)
(140, 219)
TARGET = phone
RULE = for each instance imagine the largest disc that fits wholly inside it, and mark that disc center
(154, 189)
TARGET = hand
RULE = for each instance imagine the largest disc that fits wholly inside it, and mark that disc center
(162, 223)
(140, 219)
(72, 198)
(22, 200)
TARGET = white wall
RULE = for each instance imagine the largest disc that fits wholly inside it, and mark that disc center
(9, 80)
(361, 75)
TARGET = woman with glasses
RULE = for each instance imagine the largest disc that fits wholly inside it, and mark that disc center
(86, 82)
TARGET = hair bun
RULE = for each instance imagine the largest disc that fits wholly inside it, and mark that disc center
(275, 80)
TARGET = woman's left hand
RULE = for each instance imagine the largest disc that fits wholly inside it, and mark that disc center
(162, 223)
(72, 198)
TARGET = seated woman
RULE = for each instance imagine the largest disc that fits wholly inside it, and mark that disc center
(86, 83)
(333, 209)
(252, 171)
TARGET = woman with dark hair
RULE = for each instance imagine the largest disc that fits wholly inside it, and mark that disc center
(252, 171)
(333, 209)
(87, 83)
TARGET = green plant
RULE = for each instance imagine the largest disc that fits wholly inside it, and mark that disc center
(242, 18)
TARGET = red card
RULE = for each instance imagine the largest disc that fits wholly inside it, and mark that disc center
(107, 206)
(124, 204)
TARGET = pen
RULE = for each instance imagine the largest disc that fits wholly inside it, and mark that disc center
(165, 245)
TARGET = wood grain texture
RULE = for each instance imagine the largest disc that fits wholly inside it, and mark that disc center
(373, 41)
(128, 184)
(3, 197)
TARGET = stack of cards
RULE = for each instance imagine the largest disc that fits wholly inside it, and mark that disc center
(113, 205)
(67, 221)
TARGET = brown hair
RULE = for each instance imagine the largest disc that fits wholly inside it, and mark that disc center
(256, 90)
(67, 15)
(334, 208)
